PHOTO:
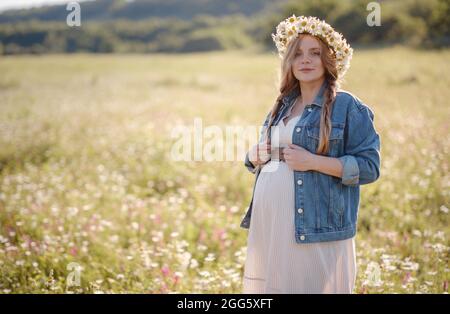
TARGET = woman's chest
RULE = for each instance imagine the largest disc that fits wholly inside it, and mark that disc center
(304, 130)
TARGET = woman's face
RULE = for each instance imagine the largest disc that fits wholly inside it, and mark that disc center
(307, 65)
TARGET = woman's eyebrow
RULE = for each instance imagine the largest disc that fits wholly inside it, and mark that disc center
(313, 48)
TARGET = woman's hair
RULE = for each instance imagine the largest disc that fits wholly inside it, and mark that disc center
(288, 82)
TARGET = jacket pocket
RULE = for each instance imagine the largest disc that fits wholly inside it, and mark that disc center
(336, 211)
(336, 139)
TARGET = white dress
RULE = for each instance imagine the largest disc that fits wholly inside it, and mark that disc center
(275, 262)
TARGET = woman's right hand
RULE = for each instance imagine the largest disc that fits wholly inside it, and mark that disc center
(260, 153)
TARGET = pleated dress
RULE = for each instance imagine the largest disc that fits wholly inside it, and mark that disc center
(275, 262)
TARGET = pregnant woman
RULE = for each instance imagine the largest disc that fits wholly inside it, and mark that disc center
(317, 146)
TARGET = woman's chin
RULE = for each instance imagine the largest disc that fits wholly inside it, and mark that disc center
(308, 77)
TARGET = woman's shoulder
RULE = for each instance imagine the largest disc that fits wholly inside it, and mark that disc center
(353, 102)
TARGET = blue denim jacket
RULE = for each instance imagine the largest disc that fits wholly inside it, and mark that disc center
(326, 207)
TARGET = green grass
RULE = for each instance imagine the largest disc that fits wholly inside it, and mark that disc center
(86, 175)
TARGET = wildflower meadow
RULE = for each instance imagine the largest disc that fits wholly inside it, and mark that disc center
(92, 200)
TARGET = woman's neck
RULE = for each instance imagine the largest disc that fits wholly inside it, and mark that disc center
(309, 90)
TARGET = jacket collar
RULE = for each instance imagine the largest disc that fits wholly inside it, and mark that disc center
(289, 99)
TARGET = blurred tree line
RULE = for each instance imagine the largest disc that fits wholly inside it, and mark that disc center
(125, 27)
(203, 33)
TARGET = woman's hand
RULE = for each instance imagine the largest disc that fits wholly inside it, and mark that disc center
(298, 158)
(259, 153)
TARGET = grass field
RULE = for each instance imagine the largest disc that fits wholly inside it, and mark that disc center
(89, 192)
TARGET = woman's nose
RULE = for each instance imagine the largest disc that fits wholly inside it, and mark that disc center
(306, 60)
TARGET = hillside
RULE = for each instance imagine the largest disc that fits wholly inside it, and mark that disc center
(101, 10)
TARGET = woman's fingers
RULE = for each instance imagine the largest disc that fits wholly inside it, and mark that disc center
(282, 153)
(263, 152)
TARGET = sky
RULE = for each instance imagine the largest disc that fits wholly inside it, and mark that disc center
(19, 4)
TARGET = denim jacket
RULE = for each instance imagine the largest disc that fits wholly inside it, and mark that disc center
(326, 207)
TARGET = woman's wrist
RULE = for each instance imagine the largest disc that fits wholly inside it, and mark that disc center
(314, 162)
(326, 165)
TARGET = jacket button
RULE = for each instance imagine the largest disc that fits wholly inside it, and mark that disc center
(302, 237)
(298, 129)
(299, 182)
(309, 109)
(300, 210)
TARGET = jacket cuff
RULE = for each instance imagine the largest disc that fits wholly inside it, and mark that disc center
(350, 172)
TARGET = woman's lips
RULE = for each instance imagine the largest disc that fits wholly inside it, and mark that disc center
(306, 70)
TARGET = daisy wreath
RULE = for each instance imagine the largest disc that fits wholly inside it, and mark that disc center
(291, 27)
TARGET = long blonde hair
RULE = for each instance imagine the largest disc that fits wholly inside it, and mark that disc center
(289, 82)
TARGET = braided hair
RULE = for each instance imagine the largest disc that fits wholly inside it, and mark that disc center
(289, 83)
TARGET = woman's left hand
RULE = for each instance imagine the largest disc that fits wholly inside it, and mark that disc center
(298, 158)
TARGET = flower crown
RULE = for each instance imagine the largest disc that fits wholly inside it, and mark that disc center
(291, 27)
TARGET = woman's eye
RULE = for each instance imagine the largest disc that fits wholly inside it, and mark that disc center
(316, 53)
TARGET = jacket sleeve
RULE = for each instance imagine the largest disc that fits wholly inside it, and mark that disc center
(361, 159)
(248, 163)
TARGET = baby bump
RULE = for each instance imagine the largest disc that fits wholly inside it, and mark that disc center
(275, 182)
